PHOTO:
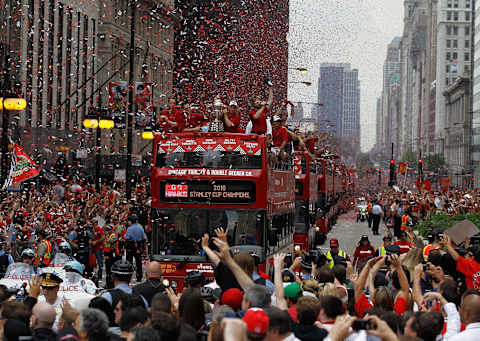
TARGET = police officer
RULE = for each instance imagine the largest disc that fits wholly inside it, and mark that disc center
(136, 243)
(430, 246)
(335, 252)
(122, 272)
(43, 253)
(82, 245)
(387, 241)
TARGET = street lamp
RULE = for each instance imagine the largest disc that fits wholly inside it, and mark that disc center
(304, 83)
(98, 118)
(302, 70)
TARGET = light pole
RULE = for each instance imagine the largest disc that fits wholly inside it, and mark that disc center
(98, 119)
(304, 83)
(128, 170)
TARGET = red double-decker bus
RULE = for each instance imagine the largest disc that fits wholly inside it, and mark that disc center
(324, 181)
(202, 181)
(306, 194)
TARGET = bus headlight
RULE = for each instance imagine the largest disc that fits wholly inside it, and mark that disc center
(297, 248)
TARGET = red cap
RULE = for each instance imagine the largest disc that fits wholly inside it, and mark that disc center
(256, 320)
(334, 242)
(233, 298)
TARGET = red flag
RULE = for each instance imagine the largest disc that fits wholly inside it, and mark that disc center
(22, 168)
(426, 185)
(402, 168)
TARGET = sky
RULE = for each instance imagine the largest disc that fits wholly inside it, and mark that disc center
(343, 31)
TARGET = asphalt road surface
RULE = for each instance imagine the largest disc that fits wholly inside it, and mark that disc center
(348, 232)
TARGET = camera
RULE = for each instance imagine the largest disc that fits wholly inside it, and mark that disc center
(387, 261)
(425, 267)
(361, 325)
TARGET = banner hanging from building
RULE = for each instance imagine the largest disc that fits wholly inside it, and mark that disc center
(22, 167)
(143, 98)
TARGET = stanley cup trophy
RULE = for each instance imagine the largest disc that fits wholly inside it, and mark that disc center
(217, 125)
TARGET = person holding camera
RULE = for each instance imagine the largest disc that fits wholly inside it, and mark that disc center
(469, 265)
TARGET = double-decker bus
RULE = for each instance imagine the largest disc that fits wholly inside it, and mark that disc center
(203, 181)
(306, 194)
(323, 222)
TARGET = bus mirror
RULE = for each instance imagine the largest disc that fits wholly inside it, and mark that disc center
(272, 237)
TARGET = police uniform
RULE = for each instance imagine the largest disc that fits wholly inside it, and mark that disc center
(51, 280)
(135, 239)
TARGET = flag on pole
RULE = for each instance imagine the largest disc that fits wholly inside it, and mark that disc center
(22, 167)
(402, 168)
(426, 185)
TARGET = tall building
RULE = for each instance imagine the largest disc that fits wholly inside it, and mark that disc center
(378, 130)
(339, 92)
(390, 106)
(475, 118)
(65, 53)
(454, 32)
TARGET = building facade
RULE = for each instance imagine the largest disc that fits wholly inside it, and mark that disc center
(65, 53)
(339, 92)
(454, 33)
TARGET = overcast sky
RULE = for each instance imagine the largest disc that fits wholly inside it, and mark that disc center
(343, 31)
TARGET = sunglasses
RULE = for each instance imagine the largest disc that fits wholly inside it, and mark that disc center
(48, 288)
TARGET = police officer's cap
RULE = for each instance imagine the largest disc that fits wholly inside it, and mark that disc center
(392, 249)
(194, 278)
(50, 280)
(122, 267)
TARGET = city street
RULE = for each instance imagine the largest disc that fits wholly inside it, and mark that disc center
(348, 233)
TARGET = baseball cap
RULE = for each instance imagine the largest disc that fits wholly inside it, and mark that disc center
(293, 290)
(233, 103)
(277, 118)
(233, 298)
(364, 237)
(334, 242)
(256, 320)
(288, 276)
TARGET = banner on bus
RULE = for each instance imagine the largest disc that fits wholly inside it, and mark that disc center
(208, 144)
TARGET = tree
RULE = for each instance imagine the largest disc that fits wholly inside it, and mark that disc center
(434, 162)
(410, 158)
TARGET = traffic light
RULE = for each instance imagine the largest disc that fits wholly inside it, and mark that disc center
(392, 173)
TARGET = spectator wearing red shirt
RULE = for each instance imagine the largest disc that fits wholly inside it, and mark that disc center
(193, 121)
(171, 120)
(231, 118)
(280, 134)
(469, 265)
(258, 115)
(364, 250)
(403, 243)
(97, 243)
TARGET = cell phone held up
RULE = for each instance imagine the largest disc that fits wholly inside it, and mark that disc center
(361, 325)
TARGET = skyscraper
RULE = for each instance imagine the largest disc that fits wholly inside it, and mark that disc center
(339, 92)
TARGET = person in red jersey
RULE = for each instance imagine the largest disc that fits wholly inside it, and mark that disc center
(403, 243)
(280, 135)
(231, 118)
(193, 120)
(171, 120)
(364, 250)
(468, 265)
(259, 114)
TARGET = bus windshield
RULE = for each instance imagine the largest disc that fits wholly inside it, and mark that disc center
(209, 159)
(301, 217)
(179, 231)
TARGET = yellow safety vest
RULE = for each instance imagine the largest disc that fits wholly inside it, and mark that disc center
(330, 258)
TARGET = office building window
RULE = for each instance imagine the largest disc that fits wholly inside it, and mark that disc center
(467, 44)
(467, 56)
(446, 81)
(467, 16)
(466, 68)
(449, 30)
(455, 43)
(455, 30)
(455, 3)
(449, 15)
(454, 55)
(467, 3)
(467, 30)
(450, 3)
(449, 43)
(455, 16)
(448, 56)
(447, 68)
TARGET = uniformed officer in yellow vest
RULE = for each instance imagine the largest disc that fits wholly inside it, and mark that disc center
(387, 241)
(43, 250)
(405, 219)
(335, 251)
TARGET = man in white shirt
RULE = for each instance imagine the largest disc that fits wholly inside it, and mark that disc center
(50, 285)
(470, 313)
(377, 216)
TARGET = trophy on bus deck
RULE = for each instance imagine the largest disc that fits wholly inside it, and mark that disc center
(217, 125)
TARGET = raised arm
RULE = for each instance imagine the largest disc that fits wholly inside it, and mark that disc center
(402, 277)
(362, 278)
(270, 96)
(416, 288)
(242, 278)
(210, 254)
(277, 279)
